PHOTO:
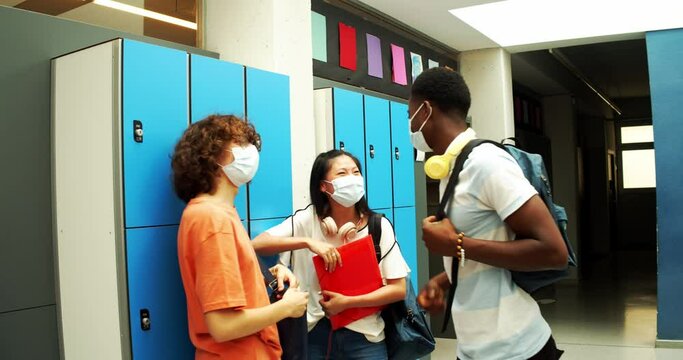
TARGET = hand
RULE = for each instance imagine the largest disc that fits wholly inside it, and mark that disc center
(295, 301)
(431, 298)
(440, 237)
(333, 303)
(284, 275)
(328, 252)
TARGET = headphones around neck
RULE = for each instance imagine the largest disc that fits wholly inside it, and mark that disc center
(346, 232)
(437, 167)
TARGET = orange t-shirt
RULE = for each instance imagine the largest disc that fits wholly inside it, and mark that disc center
(220, 270)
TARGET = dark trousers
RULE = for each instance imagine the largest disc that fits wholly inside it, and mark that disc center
(548, 352)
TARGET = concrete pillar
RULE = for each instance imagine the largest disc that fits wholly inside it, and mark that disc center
(275, 36)
(489, 77)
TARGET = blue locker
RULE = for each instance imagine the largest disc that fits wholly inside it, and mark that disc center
(405, 228)
(259, 226)
(378, 153)
(402, 157)
(155, 286)
(348, 124)
(270, 193)
(155, 95)
(387, 214)
(217, 87)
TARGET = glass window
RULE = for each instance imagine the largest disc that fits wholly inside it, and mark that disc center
(638, 168)
(637, 134)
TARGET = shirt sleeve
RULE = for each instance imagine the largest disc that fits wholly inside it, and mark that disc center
(294, 225)
(218, 275)
(504, 187)
(393, 265)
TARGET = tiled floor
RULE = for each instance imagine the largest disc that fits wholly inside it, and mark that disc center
(609, 316)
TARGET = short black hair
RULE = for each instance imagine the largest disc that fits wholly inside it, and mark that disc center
(321, 166)
(445, 88)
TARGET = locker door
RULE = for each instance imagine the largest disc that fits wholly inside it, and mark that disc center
(406, 235)
(387, 214)
(155, 287)
(155, 96)
(348, 124)
(217, 87)
(402, 157)
(378, 153)
(259, 226)
(270, 193)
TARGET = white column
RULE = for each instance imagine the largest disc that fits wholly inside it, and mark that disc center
(273, 35)
(488, 75)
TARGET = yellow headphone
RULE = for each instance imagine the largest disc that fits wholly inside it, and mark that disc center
(437, 167)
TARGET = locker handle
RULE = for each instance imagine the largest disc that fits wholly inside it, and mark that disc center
(396, 153)
(341, 145)
(137, 131)
(372, 152)
(145, 320)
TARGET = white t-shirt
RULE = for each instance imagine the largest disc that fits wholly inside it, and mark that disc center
(493, 317)
(306, 224)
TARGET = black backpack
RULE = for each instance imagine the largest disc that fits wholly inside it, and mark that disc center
(407, 334)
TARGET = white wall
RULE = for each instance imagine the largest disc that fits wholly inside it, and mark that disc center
(560, 127)
(488, 75)
(275, 36)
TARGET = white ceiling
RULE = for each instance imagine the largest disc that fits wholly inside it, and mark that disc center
(616, 64)
(432, 17)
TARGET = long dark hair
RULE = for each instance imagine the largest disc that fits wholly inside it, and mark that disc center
(320, 168)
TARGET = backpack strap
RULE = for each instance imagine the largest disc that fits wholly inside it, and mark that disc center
(453, 180)
(375, 229)
(441, 214)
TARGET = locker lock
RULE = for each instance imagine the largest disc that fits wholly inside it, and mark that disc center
(137, 131)
(396, 153)
(145, 321)
(372, 152)
(341, 145)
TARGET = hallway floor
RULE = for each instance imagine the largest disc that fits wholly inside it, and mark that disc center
(611, 315)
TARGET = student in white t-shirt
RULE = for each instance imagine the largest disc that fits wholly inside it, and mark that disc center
(337, 194)
(493, 204)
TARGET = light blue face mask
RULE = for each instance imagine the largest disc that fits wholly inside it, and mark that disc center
(244, 167)
(417, 138)
(348, 190)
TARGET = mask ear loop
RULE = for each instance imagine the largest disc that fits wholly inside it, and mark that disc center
(428, 116)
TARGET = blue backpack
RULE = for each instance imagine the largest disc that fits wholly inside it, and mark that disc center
(406, 331)
(534, 170)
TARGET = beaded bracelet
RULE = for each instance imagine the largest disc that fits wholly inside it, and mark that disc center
(460, 249)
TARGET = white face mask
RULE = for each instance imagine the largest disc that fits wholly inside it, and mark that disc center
(417, 138)
(348, 190)
(244, 167)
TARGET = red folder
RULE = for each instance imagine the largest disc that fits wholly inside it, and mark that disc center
(359, 275)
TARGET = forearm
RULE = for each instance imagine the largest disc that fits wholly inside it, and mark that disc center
(226, 325)
(266, 244)
(392, 292)
(517, 255)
